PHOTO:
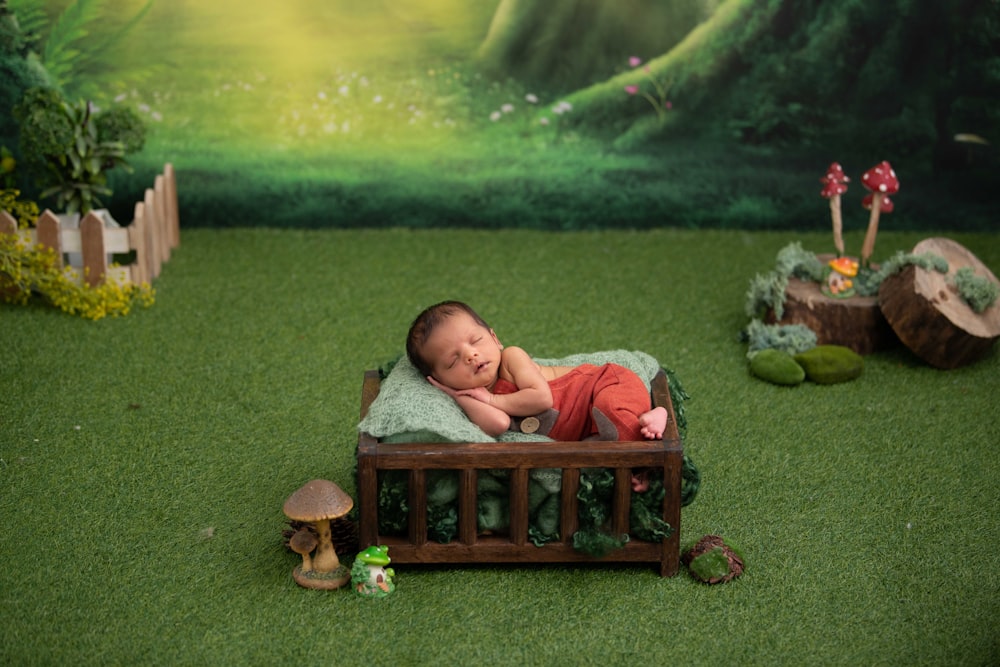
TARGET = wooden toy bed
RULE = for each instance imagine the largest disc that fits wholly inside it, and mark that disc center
(418, 459)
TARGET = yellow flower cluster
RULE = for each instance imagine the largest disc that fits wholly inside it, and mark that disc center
(34, 272)
(25, 212)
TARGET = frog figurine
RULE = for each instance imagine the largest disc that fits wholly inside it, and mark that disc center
(370, 576)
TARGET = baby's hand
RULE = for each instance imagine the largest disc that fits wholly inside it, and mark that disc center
(446, 389)
(478, 393)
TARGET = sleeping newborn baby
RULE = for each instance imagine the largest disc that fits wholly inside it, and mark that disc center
(500, 388)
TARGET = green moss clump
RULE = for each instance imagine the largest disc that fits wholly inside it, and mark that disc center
(713, 560)
(978, 291)
(712, 565)
(794, 260)
(777, 367)
(867, 282)
(764, 292)
(790, 338)
(768, 291)
(830, 364)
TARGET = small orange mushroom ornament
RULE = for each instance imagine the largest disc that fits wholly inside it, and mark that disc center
(839, 282)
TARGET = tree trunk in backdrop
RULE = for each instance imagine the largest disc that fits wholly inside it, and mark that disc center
(563, 44)
(900, 75)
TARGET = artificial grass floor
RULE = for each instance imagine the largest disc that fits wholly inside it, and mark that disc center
(144, 462)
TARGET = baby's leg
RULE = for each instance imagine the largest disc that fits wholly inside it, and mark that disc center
(653, 423)
(621, 407)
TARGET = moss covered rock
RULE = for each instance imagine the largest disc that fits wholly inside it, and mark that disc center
(777, 367)
(829, 364)
(713, 560)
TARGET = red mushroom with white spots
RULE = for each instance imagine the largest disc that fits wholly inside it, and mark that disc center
(835, 184)
(886, 207)
(882, 181)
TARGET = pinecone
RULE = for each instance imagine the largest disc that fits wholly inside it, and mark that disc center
(713, 561)
(343, 532)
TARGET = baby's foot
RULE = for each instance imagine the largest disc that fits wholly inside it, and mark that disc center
(653, 423)
(640, 481)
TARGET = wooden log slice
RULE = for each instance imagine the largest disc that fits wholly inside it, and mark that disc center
(931, 319)
(855, 322)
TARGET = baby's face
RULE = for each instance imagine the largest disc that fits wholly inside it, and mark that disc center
(463, 353)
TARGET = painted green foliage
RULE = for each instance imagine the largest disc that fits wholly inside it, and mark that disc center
(569, 42)
(761, 72)
(786, 70)
(77, 45)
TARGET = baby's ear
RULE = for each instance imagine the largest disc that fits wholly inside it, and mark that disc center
(495, 339)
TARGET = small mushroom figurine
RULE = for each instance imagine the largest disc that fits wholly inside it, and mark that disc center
(882, 181)
(318, 502)
(839, 283)
(370, 576)
(303, 542)
(835, 184)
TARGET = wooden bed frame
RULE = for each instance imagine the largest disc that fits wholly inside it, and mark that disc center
(519, 458)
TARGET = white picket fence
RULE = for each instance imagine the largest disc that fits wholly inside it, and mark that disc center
(90, 245)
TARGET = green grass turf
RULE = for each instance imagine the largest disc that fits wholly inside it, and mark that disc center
(144, 462)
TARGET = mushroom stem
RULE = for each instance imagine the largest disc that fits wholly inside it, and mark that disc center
(302, 543)
(838, 225)
(325, 559)
(869, 244)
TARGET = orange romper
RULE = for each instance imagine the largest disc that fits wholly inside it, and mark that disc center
(603, 401)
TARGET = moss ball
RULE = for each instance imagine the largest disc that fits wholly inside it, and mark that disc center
(829, 364)
(777, 367)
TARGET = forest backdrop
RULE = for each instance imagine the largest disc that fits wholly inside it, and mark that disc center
(556, 114)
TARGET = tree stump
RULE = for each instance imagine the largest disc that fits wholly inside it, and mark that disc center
(855, 322)
(931, 319)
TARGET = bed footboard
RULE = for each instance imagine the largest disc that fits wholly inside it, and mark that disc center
(519, 458)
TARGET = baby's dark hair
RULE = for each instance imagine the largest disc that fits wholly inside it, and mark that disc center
(424, 325)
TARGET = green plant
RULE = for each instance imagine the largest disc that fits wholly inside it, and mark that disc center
(33, 272)
(73, 146)
(24, 211)
(68, 46)
(661, 103)
(8, 168)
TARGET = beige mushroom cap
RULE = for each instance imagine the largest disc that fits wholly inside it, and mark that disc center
(317, 500)
(303, 541)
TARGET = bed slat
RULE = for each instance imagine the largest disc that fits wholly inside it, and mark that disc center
(468, 517)
(519, 506)
(621, 503)
(569, 512)
(417, 518)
